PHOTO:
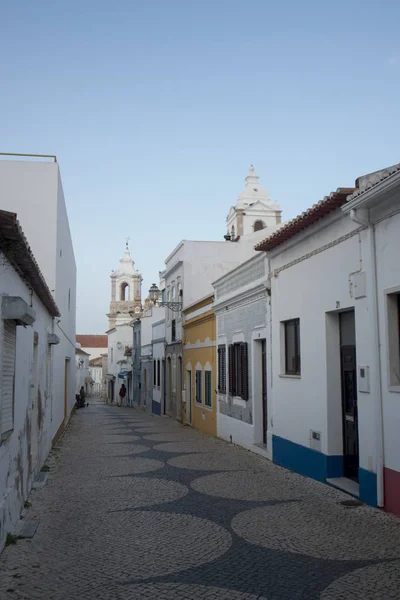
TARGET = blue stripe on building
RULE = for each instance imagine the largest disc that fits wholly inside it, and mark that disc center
(317, 465)
(305, 460)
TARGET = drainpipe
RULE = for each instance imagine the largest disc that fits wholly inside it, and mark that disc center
(361, 217)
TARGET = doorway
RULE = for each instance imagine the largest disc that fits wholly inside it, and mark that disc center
(189, 396)
(264, 389)
(349, 394)
(169, 387)
(164, 386)
(66, 387)
(34, 403)
(179, 381)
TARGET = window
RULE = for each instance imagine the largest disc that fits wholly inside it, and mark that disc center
(292, 347)
(154, 372)
(199, 399)
(8, 377)
(173, 330)
(258, 225)
(207, 388)
(222, 369)
(124, 293)
(238, 370)
(158, 373)
(163, 296)
(393, 312)
(112, 355)
(69, 299)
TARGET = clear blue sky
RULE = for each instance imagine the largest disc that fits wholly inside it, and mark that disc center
(156, 108)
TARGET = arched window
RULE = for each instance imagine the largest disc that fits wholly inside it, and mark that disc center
(124, 292)
(258, 225)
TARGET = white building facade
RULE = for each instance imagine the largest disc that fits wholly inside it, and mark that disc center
(96, 375)
(83, 378)
(33, 189)
(321, 372)
(158, 352)
(151, 316)
(376, 207)
(119, 361)
(189, 272)
(240, 307)
(29, 402)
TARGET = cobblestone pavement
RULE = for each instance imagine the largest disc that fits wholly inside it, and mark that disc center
(140, 507)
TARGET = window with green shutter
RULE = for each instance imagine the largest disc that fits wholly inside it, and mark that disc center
(222, 369)
(207, 388)
(199, 399)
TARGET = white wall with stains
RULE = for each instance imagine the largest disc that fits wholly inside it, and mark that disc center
(24, 450)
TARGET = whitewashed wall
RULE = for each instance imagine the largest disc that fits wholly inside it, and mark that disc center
(313, 279)
(24, 452)
(158, 341)
(118, 339)
(388, 279)
(34, 191)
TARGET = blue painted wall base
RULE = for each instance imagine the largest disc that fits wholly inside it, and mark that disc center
(367, 487)
(305, 461)
(156, 408)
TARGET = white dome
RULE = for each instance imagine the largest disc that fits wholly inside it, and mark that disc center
(253, 192)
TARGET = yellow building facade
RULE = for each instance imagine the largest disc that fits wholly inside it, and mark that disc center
(199, 358)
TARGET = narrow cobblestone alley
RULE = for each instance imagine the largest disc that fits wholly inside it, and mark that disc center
(140, 507)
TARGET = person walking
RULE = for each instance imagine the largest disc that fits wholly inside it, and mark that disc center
(122, 394)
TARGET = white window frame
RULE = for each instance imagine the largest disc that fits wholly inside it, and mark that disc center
(393, 338)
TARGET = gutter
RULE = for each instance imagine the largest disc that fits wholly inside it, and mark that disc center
(361, 217)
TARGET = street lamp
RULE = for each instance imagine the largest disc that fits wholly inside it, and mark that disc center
(154, 295)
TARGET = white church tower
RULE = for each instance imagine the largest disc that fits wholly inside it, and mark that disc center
(253, 211)
(126, 292)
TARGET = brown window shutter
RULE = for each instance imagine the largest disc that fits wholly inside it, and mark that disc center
(244, 380)
(231, 369)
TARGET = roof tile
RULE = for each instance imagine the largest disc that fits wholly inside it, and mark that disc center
(92, 341)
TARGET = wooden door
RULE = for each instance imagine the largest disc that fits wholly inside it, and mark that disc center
(264, 389)
(349, 395)
(189, 396)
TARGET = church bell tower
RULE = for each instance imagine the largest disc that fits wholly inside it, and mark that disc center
(126, 292)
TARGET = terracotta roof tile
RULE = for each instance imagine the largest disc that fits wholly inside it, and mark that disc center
(306, 219)
(92, 341)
